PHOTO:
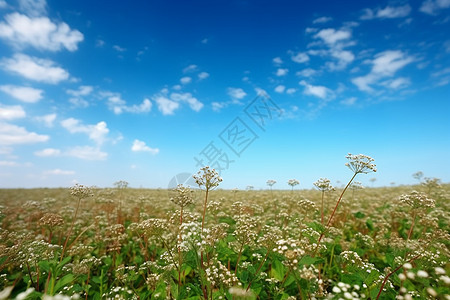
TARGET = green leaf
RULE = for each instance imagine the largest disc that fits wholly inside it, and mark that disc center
(359, 215)
(278, 270)
(63, 282)
(308, 260)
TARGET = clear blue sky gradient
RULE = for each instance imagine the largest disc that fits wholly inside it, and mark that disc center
(99, 91)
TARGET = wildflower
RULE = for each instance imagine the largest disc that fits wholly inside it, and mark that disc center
(416, 200)
(361, 163)
(80, 191)
(293, 182)
(183, 197)
(208, 178)
(324, 185)
(271, 182)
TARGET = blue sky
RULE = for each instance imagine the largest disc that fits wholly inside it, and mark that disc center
(95, 91)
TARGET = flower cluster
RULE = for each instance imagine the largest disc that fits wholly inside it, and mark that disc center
(360, 163)
(208, 178)
(416, 200)
(183, 197)
(324, 185)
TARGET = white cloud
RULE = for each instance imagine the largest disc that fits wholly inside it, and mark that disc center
(58, 172)
(281, 72)
(119, 49)
(48, 152)
(185, 80)
(217, 106)
(236, 93)
(11, 112)
(203, 75)
(389, 12)
(331, 36)
(23, 93)
(83, 90)
(204, 41)
(306, 72)
(33, 7)
(177, 87)
(300, 57)
(140, 146)
(280, 89)
(397, 83)
(3, 4)
(118, 105)
(349, 101)
(277, 60)
(166, 106)
(385, 64)
(344, 57)
(190, 68)
(322, 20)
(41, 33)
(47, 119)
(8, 163)
(97, 132)
(432, 7)
(86, 153)
(316, 90)
(291, 91)
(13, 135)
(193, 102)
(41, 70)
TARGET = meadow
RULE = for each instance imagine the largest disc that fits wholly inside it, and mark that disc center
(345, 242)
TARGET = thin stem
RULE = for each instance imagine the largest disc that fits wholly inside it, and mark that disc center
(321, 210)
(393, 272)
(179, 248)
(70, 230)
(238, 258)
(259, 268)
(332, 214)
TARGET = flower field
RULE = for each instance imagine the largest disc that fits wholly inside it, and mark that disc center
(341, 242)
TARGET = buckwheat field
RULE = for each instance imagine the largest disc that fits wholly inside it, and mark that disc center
(202, 242)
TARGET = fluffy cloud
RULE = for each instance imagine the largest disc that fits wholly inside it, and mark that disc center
(291, 91)
(236, 93)
(40, 32)
(331, 36)
(300, 57)
(203, 75)
(14, 135)
(48, 120)
(281, 72)
(322, 20)
(77, 95)
(306, 72)
(48, 152)
(385, 64)
(319, 91)
(185, 80)
(389, 12)
(190, 68)
(193, 102)
(23, 93)
(81, 152)
(33, 68)
(58, 172)
(432, 7)
(97, 132)
(3, 4)
(86, 153)
(165, 105)
(118, 105)
(277, 61)
(140, 146)
(280, 89)
(33, 7)
(11, 112)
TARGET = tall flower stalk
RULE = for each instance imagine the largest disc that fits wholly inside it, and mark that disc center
(80, 192)
(359, 163)
(182, 199)
(323, 185)
(206, 179)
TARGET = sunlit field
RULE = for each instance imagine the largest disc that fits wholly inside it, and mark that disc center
(345, 242)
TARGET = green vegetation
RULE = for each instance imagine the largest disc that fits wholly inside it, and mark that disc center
(123, 243)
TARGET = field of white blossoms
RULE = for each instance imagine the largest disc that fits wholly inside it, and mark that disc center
(344, 242)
